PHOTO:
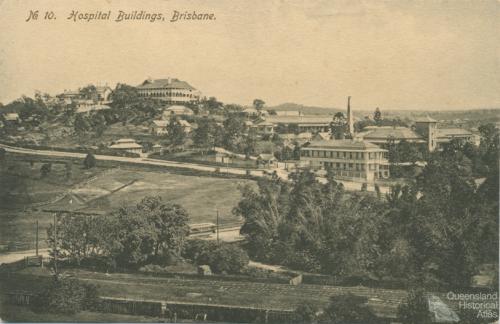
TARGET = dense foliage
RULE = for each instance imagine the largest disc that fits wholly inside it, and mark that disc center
(223, 258)
(68, 296)
(149, 232)
(434, 231)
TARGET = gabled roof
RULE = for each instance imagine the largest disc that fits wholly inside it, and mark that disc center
(449, 132)
(84, 109)
(165, 84)
(160, 123)
(11, 116)
(303, 120)
(345, 144)
(178, 109)
(184, 123)
(386, 132)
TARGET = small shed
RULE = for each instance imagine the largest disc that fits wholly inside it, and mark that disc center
(204, 270)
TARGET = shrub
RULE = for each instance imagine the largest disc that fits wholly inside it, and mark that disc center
(199, 251)
(349, 308)
(229, 259)
(67, 296)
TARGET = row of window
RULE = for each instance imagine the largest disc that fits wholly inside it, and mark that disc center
(363, 175)
(352, 166)
(342, 155)
(165, 94)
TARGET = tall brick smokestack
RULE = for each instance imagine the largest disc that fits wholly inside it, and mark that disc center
(350, 118)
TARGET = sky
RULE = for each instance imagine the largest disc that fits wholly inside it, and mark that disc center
(402, 54)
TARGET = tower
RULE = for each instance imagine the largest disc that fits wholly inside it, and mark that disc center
(427, 127)
(350, 119)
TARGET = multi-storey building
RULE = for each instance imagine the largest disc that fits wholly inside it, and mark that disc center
(172, 91)
(348, 159)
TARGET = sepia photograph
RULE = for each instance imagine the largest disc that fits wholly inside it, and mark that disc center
(236, 161)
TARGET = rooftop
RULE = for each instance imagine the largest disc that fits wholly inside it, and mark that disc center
(445, 132)
(325, 119)
(345, 144)
(165, 84)
(386, 132)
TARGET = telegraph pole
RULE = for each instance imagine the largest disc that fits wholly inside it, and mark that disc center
(217, 227)
(55, 245)
(36, 243)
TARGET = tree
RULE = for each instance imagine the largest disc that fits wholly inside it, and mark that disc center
(233, 131)
(98, 123)
(377, 116)
(170, 223)
(89, 92)
(3, 154)
(175, 132)
(228, 258)
(81, 125)
(204, 135)
(258, 104)
(123, 95)
(415, 309)
(89, 162)
(213, 105)
(338, 125)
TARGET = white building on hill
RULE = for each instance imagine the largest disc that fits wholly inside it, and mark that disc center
(127, 145)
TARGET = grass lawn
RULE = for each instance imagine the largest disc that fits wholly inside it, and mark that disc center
(200, 195)
(22, 185)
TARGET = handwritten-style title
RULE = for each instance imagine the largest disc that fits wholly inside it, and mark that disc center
(123, 16)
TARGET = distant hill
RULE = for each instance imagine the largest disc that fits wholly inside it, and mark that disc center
(306, 110)
(482, 114)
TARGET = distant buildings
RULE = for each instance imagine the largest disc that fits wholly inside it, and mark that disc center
(172, 91)
(176, 110)
(312, 124)
(127, 145)
(159, 127)
(354, 160)
(89, 106)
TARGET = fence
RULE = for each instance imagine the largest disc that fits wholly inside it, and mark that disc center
(195, 311)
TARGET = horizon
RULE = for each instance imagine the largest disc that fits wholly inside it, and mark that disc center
(397, 56)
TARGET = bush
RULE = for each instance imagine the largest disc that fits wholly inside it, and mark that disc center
(349, 308)
(229, 259)
(67, 296)
(199, 251)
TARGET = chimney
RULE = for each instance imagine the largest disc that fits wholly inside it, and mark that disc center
(169, 80)
(350, 119)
